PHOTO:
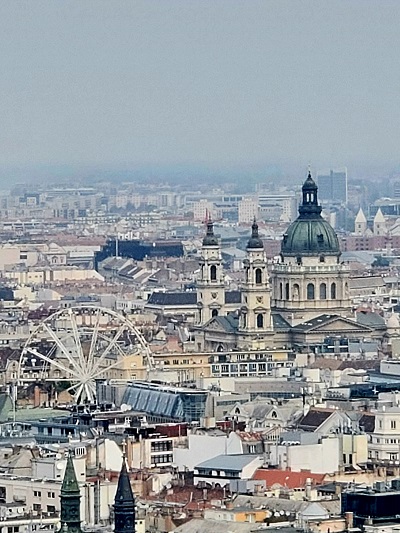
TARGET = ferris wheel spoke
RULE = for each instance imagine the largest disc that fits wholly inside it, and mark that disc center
(93, 342)
(90, 390)
(53, 362)
(143, 343)
(110, 346)
(62, 347)
(106, 369)
(78, 391)
(77, 339)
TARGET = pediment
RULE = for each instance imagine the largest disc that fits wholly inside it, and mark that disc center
(339, 324)
(212, 326)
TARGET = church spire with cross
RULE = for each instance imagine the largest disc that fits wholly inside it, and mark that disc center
(124, 503)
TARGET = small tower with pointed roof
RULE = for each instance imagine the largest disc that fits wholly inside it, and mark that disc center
(210, 283)
(124, 504)
(360, 223)
(379, 224)
(255, 316)
(70, 500)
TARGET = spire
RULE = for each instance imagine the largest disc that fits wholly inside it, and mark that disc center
(379, 217)
(124, 503)
(70, 483)
(309, 207)
(70, 500)
(210, 239)
(255, 241)
(360, 218)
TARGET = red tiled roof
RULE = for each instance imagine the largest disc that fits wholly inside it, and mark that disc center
(287, 478)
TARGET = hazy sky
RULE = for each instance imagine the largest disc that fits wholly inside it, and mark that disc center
(217, 82)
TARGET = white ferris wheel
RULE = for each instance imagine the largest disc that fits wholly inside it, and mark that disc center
(79, 345)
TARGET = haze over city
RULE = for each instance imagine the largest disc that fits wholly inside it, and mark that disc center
(199, 266)
(218, 86)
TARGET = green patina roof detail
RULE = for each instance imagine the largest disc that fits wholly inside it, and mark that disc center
(310, 234)
(70, 483)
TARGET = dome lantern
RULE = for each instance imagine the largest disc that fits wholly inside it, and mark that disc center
(210, 239)
(310, 234)
(255, 241)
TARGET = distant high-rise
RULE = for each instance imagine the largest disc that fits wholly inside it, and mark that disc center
(332, 185)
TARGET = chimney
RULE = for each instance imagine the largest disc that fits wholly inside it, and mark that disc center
(308, 489)
(349, 518)
(36, 396)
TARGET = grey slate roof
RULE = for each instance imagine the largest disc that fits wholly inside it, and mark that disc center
(173, 298)
(197, 525)
(279, 322)
(227, 462)
(372, 320)
(187, 298)
(229, 323)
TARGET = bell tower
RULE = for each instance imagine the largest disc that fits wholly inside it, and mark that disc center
(255, 318)
(210, 283)
(70, 500)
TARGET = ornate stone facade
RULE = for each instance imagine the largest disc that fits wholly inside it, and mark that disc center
(211, 281)
(310, 278)
(255, 324)
(278, 307)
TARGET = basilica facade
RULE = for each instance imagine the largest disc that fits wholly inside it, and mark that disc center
(298, 300)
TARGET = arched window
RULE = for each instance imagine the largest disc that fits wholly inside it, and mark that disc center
(260, 321)
(296, 291)
(333, 291)
(213, 273)
(280, 291)
(310, 291)
(322, 291)
(258, 276)
(287, 291)
(214, 312)
(322, 259)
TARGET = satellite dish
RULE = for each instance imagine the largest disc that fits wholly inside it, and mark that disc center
(58, 456)
(282, 513)
(125, 407)
(59, 466)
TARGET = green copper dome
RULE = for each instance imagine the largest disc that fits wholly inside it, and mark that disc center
(310, 234)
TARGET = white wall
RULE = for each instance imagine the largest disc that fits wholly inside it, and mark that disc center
(200, 448)
(319, 458)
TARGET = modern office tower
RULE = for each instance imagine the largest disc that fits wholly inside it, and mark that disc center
(332, 185)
